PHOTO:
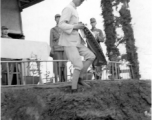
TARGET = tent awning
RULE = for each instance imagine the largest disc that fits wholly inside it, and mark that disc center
(28, 3)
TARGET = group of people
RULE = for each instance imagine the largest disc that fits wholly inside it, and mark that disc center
(66, 43)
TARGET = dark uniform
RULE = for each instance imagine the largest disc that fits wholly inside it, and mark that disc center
(59, 68)
(99, 37)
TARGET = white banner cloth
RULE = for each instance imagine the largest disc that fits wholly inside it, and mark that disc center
(24, 49)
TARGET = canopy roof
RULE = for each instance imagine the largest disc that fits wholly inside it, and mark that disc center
(28, 3)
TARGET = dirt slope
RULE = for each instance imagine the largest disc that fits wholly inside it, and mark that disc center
(106, 100)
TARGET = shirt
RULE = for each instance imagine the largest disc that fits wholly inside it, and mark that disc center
(100, 39)
(69, 18)
(54, 39)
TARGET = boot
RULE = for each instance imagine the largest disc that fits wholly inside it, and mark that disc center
(74, 91)
(75, 78)
(81, 82)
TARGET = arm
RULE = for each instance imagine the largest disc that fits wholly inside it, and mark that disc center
(51, 42)
(56, 34)
(100, 37)
(64, 22)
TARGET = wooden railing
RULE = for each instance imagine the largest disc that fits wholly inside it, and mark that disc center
(40, 72)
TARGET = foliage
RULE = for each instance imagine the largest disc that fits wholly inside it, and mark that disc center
(132, 55)
(111, 23)
(125, 21)
(109, 27)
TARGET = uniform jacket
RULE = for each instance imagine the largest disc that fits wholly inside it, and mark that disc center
(69, 18)
(54, 39)
(101, 38)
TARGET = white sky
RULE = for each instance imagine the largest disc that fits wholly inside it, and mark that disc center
(39, 19)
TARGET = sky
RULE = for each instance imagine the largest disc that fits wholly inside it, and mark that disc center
(39, 19)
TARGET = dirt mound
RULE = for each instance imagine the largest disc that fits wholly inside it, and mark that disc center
(106, 100)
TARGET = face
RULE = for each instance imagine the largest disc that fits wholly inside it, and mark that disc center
(57, 19)
(79, 2)
(93, 24)
(4, 31)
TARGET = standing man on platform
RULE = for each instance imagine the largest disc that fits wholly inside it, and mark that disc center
(99, 37)
(4, 81)
(57, 52)
(73, 43)
(7, 80)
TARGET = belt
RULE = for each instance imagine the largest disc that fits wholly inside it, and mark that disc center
(76, 30)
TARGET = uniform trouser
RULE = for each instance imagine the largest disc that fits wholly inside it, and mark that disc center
(60, 68)
(94, 67)
(74, 54)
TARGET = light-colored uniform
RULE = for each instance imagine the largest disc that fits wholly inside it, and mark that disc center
(71, 40)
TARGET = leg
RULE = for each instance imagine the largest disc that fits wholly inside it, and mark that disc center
(75, 78)
(88, 56)
(55, 67)
(39, 72)
(98, 73)
(12, 66)
(61, 66)
(4, 74)
(96, 69)
(65, 66)
(75, 59)
(86, 65)
(63, 70)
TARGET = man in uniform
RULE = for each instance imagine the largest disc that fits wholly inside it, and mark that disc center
(73, 43)
(97, 32)
(57, 52)
(4, 32)
(11, 66)
(99, 37)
